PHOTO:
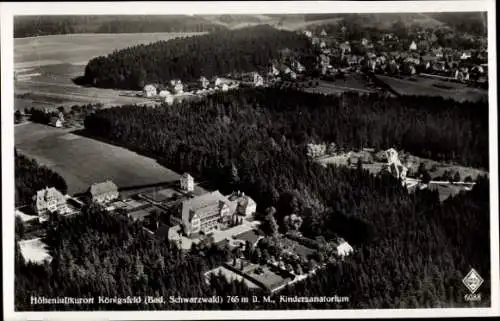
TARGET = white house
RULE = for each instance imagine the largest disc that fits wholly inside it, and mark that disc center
(179, 88)
(345, 47)
(257, 80)
(413, 46)
(149, 90)
(166, 97)
(298, 66)
(169, 100)
(225, 87)
(343, 248)
(465, 55)
(56, 122)
(274, 71)
(323, 33)
(308, 34)
(204, 82)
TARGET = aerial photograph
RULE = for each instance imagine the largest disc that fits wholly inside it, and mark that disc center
(251, 161)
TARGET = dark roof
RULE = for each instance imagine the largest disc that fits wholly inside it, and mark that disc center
(162, 231)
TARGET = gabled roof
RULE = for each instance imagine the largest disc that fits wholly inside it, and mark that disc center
(103, 187)
(48, 192)
(197, 203)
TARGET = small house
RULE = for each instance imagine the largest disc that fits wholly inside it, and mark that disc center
(168, 99)
(179, 88)
(466, 55)
(345, 47)
(298, 66)
(149, 90)
(257, 80)
(187, 182)
(285, 69)
(103, 192)
(49, 200)
(56, 122)
(343, 248)
(204, 82)
(323, 33)
(413, 46)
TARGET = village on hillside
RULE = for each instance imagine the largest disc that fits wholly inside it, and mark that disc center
(337, 57)
(332, 160)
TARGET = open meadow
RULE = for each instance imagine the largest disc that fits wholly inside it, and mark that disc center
(434, 87)
(82, 161)
(46, 66)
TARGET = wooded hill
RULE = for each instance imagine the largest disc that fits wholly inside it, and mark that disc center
(214, 54)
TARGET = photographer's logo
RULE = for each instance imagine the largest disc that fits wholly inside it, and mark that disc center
(473, 281)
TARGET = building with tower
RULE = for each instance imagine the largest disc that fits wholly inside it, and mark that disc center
(187, 182)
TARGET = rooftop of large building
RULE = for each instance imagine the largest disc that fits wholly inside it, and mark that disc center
(204, 200)
(48, 192)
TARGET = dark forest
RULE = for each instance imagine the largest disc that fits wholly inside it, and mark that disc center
(214, 54)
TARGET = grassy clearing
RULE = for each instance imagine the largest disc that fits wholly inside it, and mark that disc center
(83, 161)
(433, 87)
(79, 48)
(60, 58)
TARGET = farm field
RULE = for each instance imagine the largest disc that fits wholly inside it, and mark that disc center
(46, 66)
(352, 83)
(77, 49)
(83, 161)
(434, 87)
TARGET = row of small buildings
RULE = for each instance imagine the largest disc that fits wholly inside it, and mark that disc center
(177, 89)
(203, 213)
(50, 200)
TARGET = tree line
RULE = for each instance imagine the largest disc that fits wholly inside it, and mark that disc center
(31, 177)
(430, 127)
(214, 54)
